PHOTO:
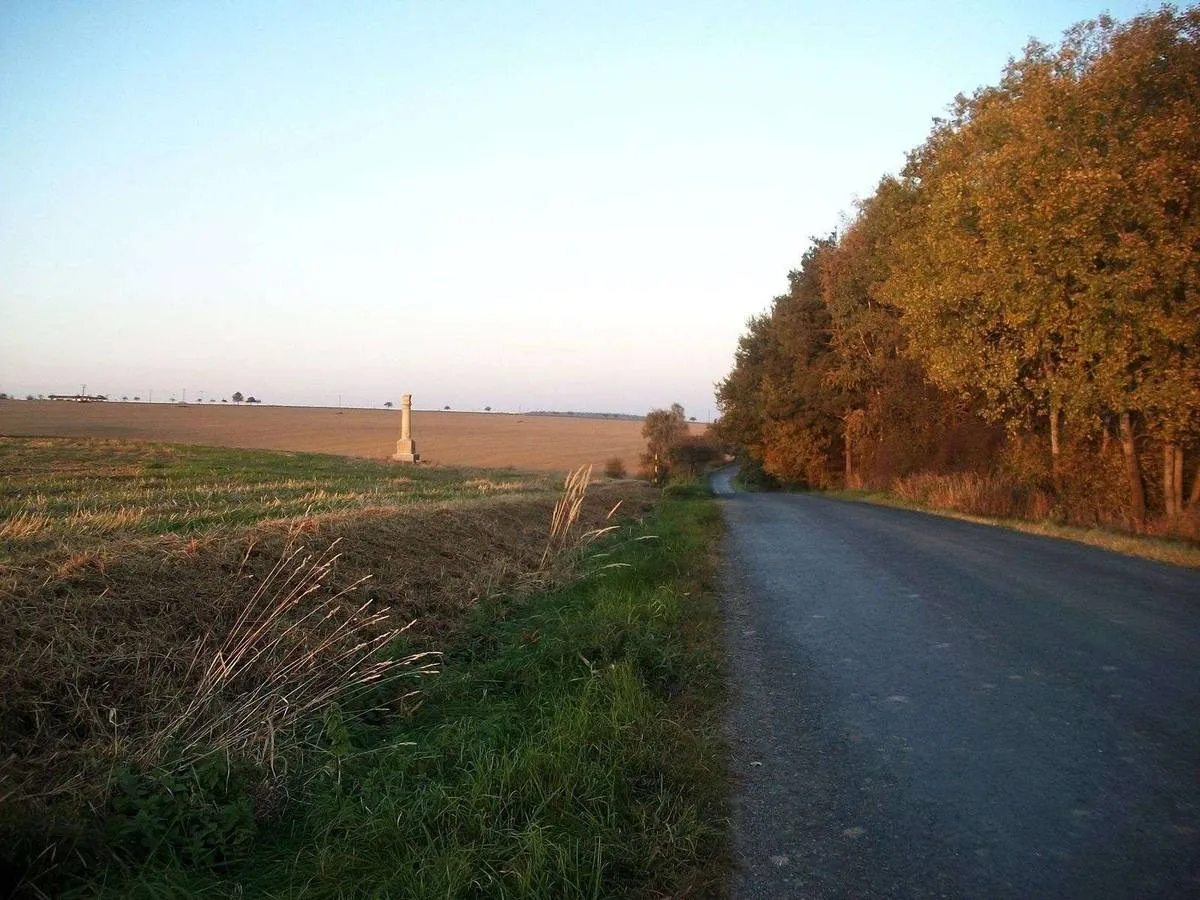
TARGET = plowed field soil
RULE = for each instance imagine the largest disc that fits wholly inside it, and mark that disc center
(541, 443)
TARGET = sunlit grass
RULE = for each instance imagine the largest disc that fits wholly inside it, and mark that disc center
(150, 635)
(68, 489)
(571, 747)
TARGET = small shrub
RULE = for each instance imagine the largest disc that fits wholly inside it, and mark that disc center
(751, 475)
(615, 467)
(693, 455)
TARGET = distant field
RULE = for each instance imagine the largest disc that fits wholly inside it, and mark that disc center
(542, 443)
(85, 490)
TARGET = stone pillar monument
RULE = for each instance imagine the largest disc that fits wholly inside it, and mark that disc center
(406, 449)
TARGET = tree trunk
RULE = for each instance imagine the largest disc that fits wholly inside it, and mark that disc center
(1055, 448)
(1172, 474)
(1194, 498)
(850, 432)
(1133, 472)
(1179, 480)
(1105, 441)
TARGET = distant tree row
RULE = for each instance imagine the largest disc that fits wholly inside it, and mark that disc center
(237, 398)
(388, 404)
(1024, 296)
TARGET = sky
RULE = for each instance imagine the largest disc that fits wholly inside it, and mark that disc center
(570, 206)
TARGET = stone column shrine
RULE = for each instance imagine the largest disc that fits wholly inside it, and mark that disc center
(406, 448)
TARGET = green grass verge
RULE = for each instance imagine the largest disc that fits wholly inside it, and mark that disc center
(571, 747)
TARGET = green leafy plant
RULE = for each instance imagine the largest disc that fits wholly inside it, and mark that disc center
(201, 813)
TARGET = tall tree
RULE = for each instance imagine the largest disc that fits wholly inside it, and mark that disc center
(740, 394)
(1139, 165)
(664, 430)
(1052, 269)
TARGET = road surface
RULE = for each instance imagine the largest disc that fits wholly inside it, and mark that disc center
(925, 707)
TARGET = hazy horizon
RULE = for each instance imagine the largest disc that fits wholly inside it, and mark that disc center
(573, 207)
(179, 398)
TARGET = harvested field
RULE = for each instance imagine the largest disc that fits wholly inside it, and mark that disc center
(121, 564)
(84, 491)
(491, 440)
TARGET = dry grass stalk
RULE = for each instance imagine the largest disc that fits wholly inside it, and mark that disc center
(104, 521)
(287, 655)
(566, 512)
(23, 525)
(594, 534)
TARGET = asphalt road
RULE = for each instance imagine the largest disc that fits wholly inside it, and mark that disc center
(925, 707)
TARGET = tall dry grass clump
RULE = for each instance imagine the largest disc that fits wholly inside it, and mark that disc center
(289, 654)
(566, 513)
(23, 524)
(90, 685)
(975, 494)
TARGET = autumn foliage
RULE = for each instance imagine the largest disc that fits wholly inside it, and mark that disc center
(671, 450)
(1021, 302)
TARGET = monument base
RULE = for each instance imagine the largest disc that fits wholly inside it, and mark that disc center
(406, 451)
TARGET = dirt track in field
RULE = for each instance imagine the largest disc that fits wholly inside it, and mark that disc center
(542, 443)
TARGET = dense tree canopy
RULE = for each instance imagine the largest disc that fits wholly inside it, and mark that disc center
(1035, 265)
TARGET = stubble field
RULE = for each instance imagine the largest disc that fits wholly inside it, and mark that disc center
(208, 645)
(488, 440)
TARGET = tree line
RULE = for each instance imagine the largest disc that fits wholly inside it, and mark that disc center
(1023, 299)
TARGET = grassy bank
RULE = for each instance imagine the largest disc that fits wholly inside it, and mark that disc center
(568, 746)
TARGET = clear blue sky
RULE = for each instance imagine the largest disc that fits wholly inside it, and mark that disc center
(537, 205)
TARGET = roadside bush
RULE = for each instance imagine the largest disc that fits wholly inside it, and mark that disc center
(693, 455)
(752, 475)
(614, 467)
(798, 455)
